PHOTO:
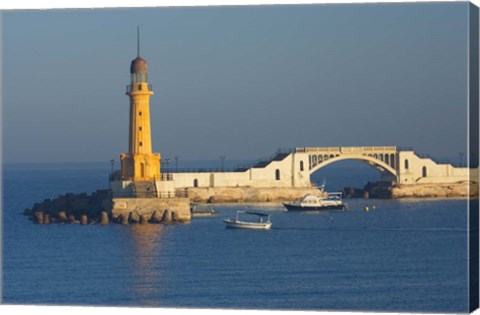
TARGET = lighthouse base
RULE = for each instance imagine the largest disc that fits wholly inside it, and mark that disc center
(140, 166)
(151, 210)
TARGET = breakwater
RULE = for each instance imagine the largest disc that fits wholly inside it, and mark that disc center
(388, 190)
(100, 208)
(72, 208)
(247, 194)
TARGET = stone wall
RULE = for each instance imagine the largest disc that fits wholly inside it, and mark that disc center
(151, 209)
(461, 189)
(453, 190)
(247, 194)
(289, 175)
(413, 170)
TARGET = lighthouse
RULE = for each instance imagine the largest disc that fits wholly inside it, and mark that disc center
(139, 164)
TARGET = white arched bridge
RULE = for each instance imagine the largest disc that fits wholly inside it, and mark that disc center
(293, 168)
(385, 159)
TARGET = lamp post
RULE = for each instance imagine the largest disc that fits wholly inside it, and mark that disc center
(167, 161)
(222, 158)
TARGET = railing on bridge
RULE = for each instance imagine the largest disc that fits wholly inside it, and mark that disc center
(391, 149)
(384, 155)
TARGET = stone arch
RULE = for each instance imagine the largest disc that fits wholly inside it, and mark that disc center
(380, 165)
(320, 159)
(375, 155)
(325, 157)
(387, 159)
(380, 156)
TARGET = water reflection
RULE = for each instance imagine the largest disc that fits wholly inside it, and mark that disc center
(146, 254)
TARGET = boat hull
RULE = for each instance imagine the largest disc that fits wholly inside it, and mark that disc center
(235, 224)
(292, 207)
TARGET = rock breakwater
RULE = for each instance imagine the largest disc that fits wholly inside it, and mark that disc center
(387, 190)
(71, 208)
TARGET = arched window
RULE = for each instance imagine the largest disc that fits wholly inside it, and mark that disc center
(301, 165)
(424, 171)
(195, 182)
(277, 174)
(332, 156)
(406, 164)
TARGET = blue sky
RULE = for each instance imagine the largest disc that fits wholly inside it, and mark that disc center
(236, 81)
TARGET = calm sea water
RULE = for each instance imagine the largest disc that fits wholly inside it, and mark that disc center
(401, 256)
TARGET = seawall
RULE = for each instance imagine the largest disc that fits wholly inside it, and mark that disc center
(455, 190)
(246, 194)
(152, 210)
(388, 190)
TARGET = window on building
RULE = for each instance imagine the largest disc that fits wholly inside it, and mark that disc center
(140, 143)
(140, 128)
(195, 182)
(424, 171)
(139, 113)
(406, 164)
(277, 174)
(301, 165)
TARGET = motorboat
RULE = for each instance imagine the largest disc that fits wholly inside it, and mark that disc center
(311, 202)
(263, 222)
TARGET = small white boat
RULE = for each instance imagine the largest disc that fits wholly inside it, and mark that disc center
(261, 224)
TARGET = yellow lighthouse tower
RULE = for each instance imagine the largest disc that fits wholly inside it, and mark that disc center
(140, 164)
